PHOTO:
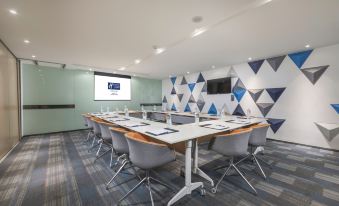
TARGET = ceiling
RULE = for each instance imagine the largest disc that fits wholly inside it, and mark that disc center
(110, 34)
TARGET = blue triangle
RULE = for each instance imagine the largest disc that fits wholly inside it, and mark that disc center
(239, 93)
(239, 111)
(187, 108)
(275, 93)
(255, 65)
(212, 110)
(191, 86)
(200, 78)
(335, 107)
(275, 124)
(174, 108)
(299, 58)
(173, 79)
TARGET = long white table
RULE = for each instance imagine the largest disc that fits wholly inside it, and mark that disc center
(188, 133)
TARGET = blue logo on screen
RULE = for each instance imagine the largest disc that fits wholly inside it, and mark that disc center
(113, 86)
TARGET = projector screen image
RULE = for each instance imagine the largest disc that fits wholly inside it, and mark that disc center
(111, 86)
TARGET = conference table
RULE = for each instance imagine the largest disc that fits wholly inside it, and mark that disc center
(188, 133)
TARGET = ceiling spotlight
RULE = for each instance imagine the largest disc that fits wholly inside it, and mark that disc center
(122, 68)
(249, 58)
(307, 46)
(213, 67)
(27, 41)
(198, 32)
(33, 56)
(12, 11)
(187, 72)
(158, 50)
(137, 61)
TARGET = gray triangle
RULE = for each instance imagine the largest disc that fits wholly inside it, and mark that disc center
(183, 81)
(164, 100)
(265, 108)
(275, 62)
(255, 93)
(328, 130)
(314, 73)
(204, 88)
(200, 104)
(240, 84)
(191, 99)
(180, 96)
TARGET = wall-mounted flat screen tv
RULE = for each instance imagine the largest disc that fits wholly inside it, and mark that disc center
(219, 86)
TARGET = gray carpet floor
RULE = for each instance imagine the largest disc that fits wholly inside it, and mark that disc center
(57, 169)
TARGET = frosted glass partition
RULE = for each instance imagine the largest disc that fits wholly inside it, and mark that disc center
(53, 86)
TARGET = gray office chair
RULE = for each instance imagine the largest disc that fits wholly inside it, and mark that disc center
(120, 147)
(97, 132)
(232, 145)
(146, 155)
(89, 126)
(106, 139)
(257, 139)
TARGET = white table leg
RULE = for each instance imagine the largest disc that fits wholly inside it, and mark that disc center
(196, 169)
(189, 186)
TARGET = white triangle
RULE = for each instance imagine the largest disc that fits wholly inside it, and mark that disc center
(265, 98)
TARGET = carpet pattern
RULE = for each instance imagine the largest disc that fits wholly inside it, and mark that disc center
(57, 169)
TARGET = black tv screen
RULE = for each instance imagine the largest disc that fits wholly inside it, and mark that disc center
(219, 86)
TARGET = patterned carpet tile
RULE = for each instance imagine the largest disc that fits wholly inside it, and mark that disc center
(57, 169)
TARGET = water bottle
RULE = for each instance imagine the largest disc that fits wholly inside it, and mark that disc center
(154, 108)
(196, 118)
(144, 115)
(142, 108)
(169, 119)
(248, 113)
(126, 111)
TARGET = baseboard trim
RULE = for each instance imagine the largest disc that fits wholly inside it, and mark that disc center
(4, 157)
(53, 132)
(329, 149)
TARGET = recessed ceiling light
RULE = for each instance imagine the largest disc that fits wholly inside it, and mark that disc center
(137, 61)
(213, 67)
(307, 46)
(122, 68)
(198, 32)
(33, 56)
(249, 58)
(12, 11)
(158, 50)
(27, 41)
(187, 72)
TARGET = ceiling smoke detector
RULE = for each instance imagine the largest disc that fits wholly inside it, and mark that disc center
(197, 19)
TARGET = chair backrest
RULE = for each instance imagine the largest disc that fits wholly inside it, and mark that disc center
(105, 131)
(258, 135)
(232, 144)
(96, 127)
(84, 117)
(147, 154)
(119, 141)
(89, 122)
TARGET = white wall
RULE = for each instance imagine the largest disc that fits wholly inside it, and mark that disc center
(301, 104)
